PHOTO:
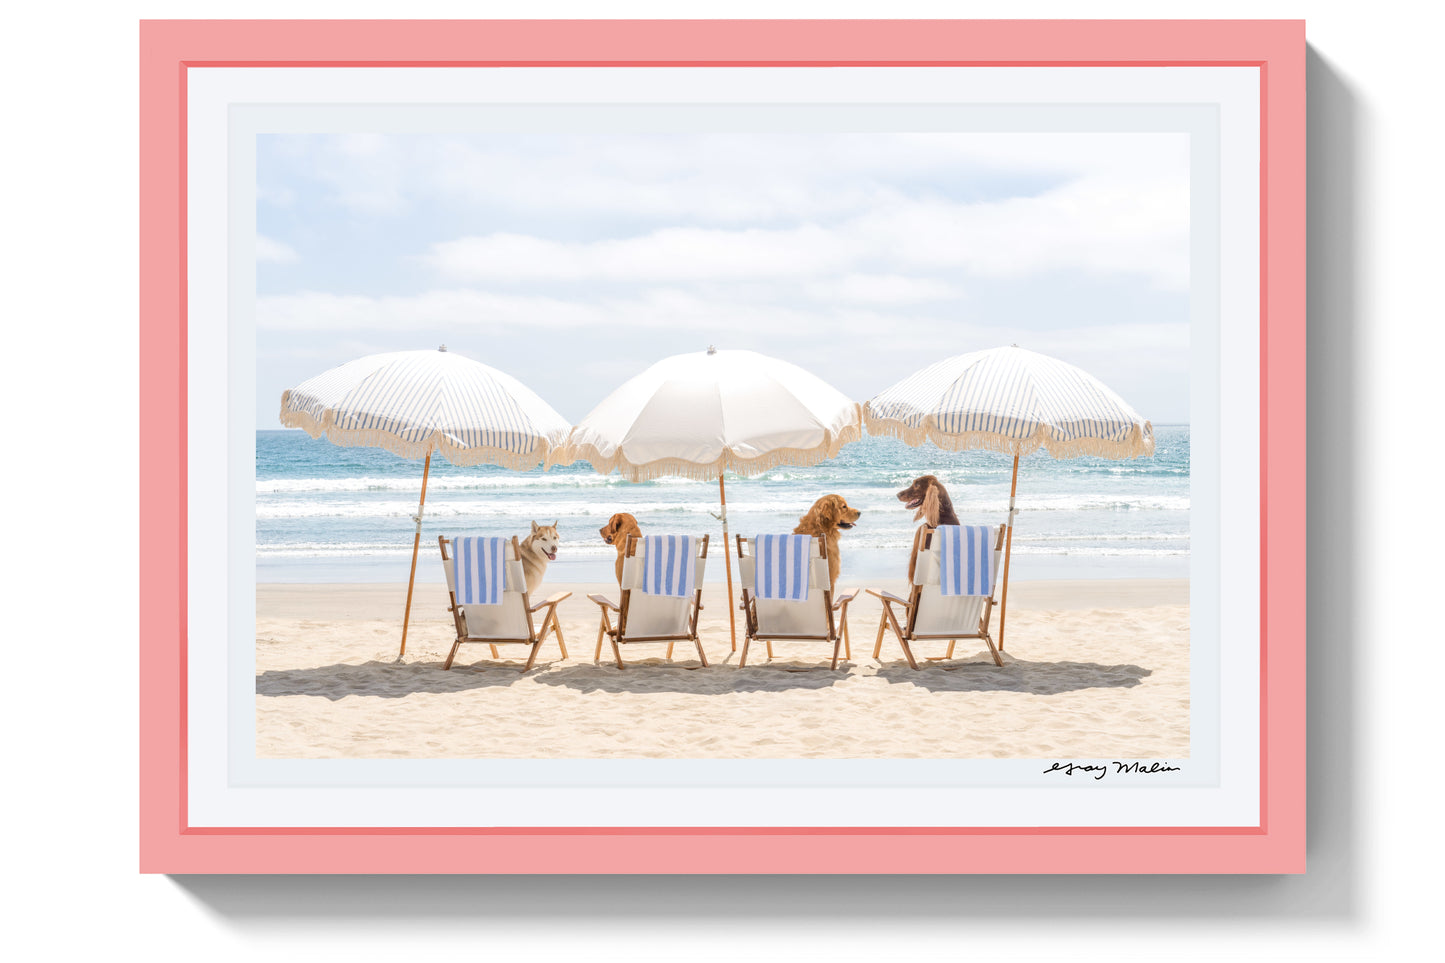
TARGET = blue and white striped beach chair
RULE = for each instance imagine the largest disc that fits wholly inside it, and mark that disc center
(662, 578)
(490, 604)
(788, 595)
(955, 572)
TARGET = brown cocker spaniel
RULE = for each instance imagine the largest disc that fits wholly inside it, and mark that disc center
(615, 533)
(930, 498)
(828, 516)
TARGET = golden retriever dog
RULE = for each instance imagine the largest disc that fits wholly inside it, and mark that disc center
(616, 532)
(829, 516)
(930, 498)
(538, 549)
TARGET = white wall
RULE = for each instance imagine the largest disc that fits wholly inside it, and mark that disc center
(69, 703)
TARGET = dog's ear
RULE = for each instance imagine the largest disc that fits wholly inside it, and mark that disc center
(929, 509)
(534, 528)
(828, 511)
(556, 523)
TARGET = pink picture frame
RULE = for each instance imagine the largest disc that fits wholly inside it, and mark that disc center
(171, 50)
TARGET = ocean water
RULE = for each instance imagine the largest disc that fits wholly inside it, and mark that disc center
(331, 514)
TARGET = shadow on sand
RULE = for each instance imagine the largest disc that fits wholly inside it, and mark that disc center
(386, 680)
(658, 676)
(397, 680)
(1034, 678)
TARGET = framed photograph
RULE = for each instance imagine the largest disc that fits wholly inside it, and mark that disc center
(722, 447)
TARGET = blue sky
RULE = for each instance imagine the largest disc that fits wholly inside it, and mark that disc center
(574, 261)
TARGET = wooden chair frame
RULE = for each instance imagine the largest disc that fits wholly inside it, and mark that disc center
(618, 633)
(837, 632)
(550, 622)
(905, 630)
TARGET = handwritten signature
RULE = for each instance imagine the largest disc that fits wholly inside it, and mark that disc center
(1101, 769)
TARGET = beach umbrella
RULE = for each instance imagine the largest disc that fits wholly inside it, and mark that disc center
(1015, 401)
(701, 414)
(417, 403)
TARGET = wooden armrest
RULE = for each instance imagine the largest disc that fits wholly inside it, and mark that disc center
(845, 598)
(551, 600)
(887, 596)
(605, 603)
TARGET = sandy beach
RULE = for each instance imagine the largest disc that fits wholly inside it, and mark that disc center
(1092, 669)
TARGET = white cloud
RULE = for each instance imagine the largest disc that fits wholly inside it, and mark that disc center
(596, 342)
(669, 255)
(268, 249)
(1097, 224)
(881, 289)
(322, 311)
(470, 311)
(368, 174)
(862, 257)
(275, 195)
(717, 178)
(675, 309)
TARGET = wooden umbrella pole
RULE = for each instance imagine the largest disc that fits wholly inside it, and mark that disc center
(1008, 552)
(728, 559)
(416, 545)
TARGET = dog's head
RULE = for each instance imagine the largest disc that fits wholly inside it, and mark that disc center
(617, 529)
(925, 494)
(544, 539)
(830, 512)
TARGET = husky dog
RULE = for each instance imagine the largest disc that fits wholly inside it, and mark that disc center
(538, 549)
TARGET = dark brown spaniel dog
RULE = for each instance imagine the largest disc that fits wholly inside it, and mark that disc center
(828, 516)
(615, 533)
(930, 498)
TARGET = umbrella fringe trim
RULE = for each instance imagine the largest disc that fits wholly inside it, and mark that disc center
(387, 441)
(1139, 444)
(709, 471)
(291, 418)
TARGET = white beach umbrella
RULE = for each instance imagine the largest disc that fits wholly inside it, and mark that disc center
(702, 414)
(1010, 400)
(414, 403)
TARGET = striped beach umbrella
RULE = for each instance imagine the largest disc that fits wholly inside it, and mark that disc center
(1015, 401)
(416, 403)
(701, 414)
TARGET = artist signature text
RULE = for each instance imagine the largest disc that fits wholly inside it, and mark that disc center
(1098, 770)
